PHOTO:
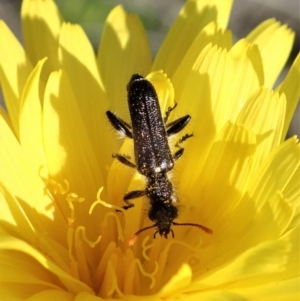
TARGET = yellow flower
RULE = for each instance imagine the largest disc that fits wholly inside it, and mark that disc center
(61, 238)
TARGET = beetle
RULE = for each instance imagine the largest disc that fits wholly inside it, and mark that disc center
(153, 157)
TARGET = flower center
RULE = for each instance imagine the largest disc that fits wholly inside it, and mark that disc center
(107, 264)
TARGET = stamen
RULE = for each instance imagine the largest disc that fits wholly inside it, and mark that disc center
(98, 276)
(71, 198)
(73, 262)
(107, 205)
(164, 254)
(82, 264)
(110, 282)
(119, 227)
(145, 247)
(149, 275)
(92, 244)
(57, 187)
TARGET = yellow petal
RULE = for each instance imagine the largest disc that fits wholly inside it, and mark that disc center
(275, 42)
(210, 34)
(196, 99)
(229, 167)
(228, 86)
(24, 184)
(5, 117)
(292, 191)
(83, 296)
(179, 282)
(265, 263)
(287, 289)
(40, 262)
(41, 23)
(217, 65)
(291, 88)
(68, 151)
(291, 194)
(199, 100)
(164, 90)
(248, 226)
(14, 70)
(12, 215)
(193, 17)
(75, 45)
(33, 226)
(283, 212)
(215, 295)
(275, 172)
(29, 271)
(78, 59)
(123, 50)
(248, 69)
(264, 114)
(210, 107)
(50, 295)
(31, 134)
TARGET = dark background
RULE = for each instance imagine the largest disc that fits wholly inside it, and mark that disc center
(157, 16)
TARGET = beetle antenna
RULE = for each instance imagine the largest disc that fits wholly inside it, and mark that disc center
(205, 229)
(135, 235)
